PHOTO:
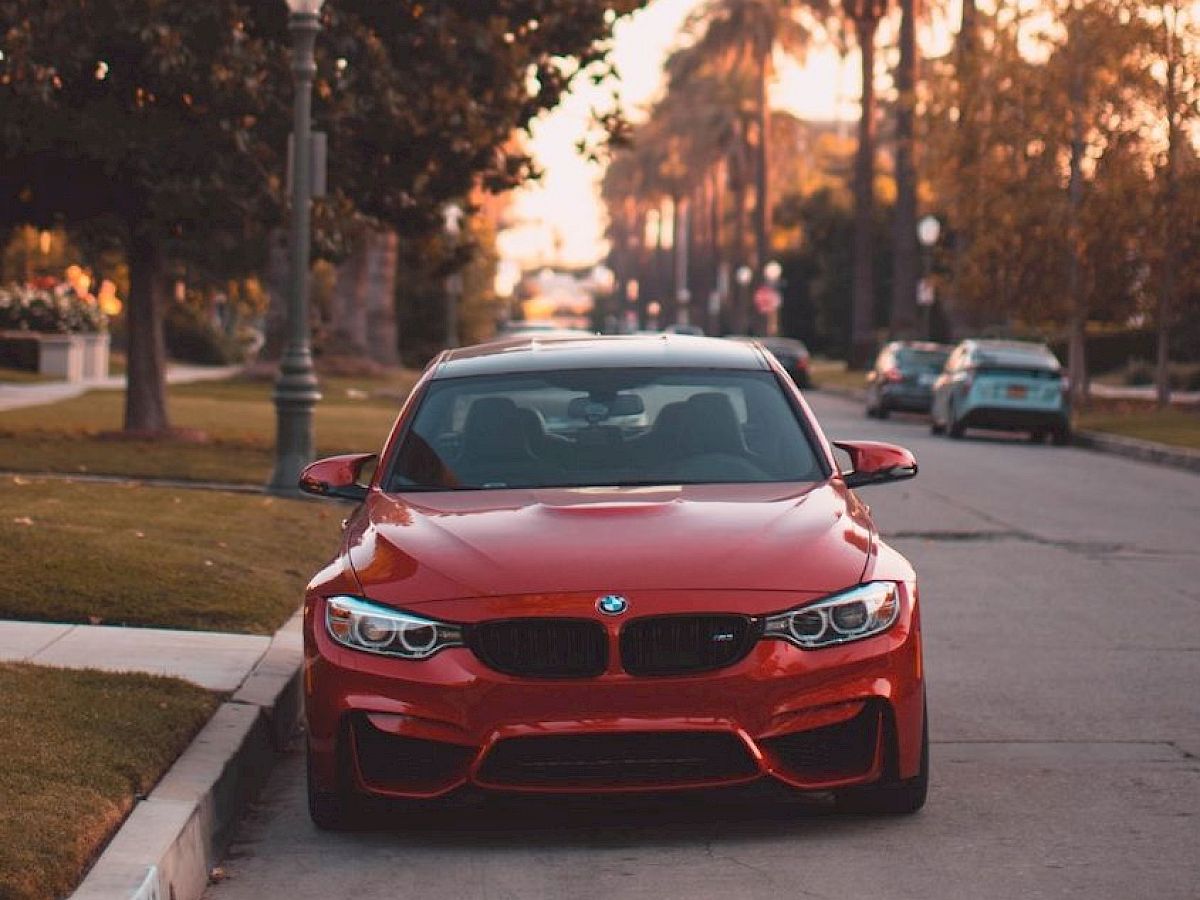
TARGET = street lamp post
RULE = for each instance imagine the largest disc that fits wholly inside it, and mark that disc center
(929, 229)
(452, 216)
(772, 276)
(296, 390)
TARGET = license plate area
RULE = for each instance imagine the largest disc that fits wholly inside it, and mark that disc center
(1016, 392)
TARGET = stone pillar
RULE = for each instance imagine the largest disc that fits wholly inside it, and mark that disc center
(382, 257)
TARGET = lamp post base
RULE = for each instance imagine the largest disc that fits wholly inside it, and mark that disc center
(295, 396)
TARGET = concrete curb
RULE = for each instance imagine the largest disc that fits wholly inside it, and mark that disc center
(172, 839)
(1145, 451)
(1112, 444)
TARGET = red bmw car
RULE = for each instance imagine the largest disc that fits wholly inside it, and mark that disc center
(611, 564)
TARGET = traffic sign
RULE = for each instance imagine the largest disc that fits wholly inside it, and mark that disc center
(767, 299)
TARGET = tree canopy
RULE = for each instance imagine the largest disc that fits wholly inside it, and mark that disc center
(162, 124)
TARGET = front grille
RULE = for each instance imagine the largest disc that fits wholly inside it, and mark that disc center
(675, 645)
(617, 760)
(393, 762)
(832, 752)
(542, 648)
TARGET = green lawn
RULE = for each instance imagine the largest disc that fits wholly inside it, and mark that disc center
(1175, 426)
(236, 416)
(832, 373)
(138, 555)
(21, 376)
(77, 747)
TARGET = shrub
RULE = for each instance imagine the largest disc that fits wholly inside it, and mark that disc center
(59, 310)
(192, 338)
(1139, 373)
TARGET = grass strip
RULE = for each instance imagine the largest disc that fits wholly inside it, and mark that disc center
(237, 416)
(832, 373)
(1175, 426)
(78, 748)
(154, 556)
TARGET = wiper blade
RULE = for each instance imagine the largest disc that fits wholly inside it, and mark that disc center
(426, 488)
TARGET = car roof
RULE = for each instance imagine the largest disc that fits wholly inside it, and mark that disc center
(542, 354)
(1014, 352)
(921, 346)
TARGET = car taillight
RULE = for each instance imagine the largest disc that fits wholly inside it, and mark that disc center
(893, 375)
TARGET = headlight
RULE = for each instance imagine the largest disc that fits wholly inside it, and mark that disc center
(360, 624)
(860, 612)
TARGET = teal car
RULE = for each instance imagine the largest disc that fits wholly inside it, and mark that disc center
(1005, 385)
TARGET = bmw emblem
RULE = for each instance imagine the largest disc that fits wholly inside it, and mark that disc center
(612, 604)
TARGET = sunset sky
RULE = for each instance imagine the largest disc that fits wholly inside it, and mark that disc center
(561, 218)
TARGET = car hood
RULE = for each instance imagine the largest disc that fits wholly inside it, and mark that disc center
(417, 548)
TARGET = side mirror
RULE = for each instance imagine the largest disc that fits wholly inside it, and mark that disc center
(337, 477)
(876, 463)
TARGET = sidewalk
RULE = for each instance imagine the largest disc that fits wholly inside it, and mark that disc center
(1126, 392)
(219, 662)
(171, 839)
(18, 396)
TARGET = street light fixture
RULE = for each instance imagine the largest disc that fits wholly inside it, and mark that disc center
(296, 390)
(452, 216)
(929, 229)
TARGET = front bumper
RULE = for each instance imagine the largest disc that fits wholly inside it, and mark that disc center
(812, 719)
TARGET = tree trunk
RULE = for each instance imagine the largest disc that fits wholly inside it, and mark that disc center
(862, 340)
(1166, 293)
(966, 30)
(741, 299)
(383, 254)
(1077, 342)
(720, 269)
(146, 372)
(906, 254)
(762, 175)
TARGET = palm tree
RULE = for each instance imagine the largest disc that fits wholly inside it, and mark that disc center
(743, 35)
(905, 253)
(865, 14)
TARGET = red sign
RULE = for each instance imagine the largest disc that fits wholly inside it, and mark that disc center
(767, 299)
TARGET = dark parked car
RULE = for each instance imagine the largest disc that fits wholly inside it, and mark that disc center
(791, 353)
(903, 377)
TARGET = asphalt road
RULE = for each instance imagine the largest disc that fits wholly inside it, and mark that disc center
(1061, 593)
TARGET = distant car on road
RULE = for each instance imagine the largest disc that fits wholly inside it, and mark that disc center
(792, 354)
(1006, 385)
(903, 376)
(537, 329)
(695, 601)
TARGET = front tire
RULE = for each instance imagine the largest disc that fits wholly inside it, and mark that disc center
(339, 810)
(891, 796)
(954, 427)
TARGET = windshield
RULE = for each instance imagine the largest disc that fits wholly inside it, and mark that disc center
(923, 360)
(598, 427)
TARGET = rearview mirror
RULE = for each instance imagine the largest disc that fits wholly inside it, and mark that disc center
(336, 476)
(608, 408)
(874, 462)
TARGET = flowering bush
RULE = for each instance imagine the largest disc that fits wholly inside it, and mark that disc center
(57, 310)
